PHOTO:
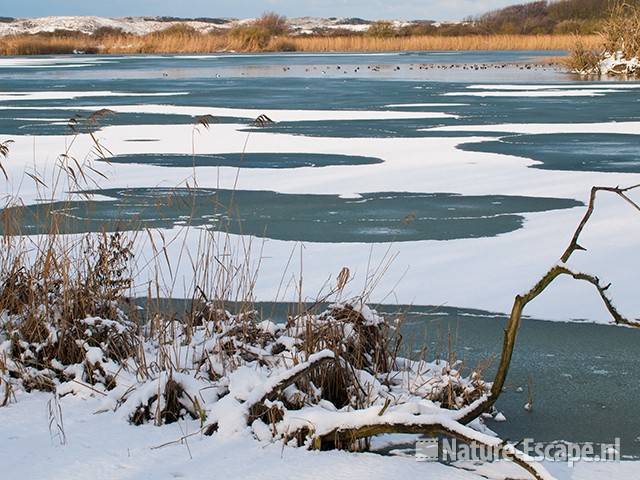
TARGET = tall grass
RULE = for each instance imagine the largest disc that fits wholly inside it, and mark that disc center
(621, 31)
(619, 39)
(582, 59)
(426, 42)
(254, 38)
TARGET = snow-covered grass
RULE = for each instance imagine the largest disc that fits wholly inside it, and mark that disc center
(66, 328)
(618, 53)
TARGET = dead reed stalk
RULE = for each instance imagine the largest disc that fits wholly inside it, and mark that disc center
(257, 39)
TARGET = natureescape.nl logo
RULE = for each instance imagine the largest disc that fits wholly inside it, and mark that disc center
(452, 450)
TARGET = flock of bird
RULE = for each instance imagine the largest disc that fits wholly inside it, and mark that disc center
(432, 66)
(324, 70)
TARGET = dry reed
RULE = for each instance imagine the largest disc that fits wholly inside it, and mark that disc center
(619, 40)
(426, 43)
(183, 40)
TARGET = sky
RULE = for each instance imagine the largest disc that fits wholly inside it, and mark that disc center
(370, 9)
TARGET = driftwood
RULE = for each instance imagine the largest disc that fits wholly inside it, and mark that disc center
(343, 436)
(521, 301)
(451, 429)
(448, 425)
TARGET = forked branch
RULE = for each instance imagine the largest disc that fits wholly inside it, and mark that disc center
(521, 300)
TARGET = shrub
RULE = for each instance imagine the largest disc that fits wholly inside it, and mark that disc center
(583, 60)
(273, 23)
(622, 30)
(177, 29)
(569, 26)
(382, 29)
(104, 32)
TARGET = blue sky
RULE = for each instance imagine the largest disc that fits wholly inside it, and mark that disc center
(371, 9)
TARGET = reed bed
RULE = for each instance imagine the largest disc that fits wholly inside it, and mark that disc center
(184, 40)
(428, 42)
(618, 50)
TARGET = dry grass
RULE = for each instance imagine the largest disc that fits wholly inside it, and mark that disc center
(252, 39)
(620, 35)
(583, 60)
(467, 42)
(621, 31)
(41, 45)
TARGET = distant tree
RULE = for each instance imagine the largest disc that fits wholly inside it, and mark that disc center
(382, 29)
(273, 23)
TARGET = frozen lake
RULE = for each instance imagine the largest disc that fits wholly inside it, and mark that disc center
(469, 170)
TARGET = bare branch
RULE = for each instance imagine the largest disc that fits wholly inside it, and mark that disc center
(430, 425)
(522, 300)
(573, 246)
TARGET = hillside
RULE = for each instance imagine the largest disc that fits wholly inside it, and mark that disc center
(543, 17)
(534, 18)
(539, 25)
(144, 25)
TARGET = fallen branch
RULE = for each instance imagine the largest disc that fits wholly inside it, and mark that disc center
(521, 301)
(432, 425)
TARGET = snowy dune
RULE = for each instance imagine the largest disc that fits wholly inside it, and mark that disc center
(145, 25)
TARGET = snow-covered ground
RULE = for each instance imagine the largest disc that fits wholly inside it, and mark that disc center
(102, 447)
(144, 25)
